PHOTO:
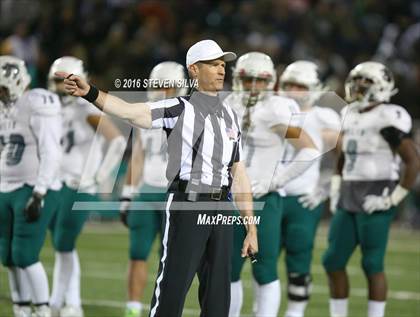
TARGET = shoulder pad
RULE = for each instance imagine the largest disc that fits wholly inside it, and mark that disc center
(397, 117)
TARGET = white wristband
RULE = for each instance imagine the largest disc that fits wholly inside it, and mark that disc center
(398, 195)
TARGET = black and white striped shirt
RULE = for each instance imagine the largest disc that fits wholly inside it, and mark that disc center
(204, 138)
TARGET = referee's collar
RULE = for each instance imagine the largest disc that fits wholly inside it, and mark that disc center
(205, 103)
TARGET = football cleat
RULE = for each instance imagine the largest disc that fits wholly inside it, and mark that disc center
(71, 311)
(132, 312)
(42, 311)
(22, 311)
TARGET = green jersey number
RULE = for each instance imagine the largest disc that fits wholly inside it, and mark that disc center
(68, 141)
(16, 147)
(351, 155)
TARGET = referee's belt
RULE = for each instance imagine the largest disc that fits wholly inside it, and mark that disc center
(199, 192)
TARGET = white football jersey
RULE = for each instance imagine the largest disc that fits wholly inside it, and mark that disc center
(79, 142)
(30, 134)
(155, 157)
(368, 156)
(315, 121)
(262, 147)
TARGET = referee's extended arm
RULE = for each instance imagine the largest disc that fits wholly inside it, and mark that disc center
(243, 199)
(138, 114)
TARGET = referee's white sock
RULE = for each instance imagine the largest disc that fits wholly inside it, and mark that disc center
(236, 297)
(268, 299)
(338, 307)
(376, 308)
(63, 269)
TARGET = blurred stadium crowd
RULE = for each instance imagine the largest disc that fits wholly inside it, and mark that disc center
(126, 38)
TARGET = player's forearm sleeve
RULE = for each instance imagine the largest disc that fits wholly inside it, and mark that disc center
(47, 130)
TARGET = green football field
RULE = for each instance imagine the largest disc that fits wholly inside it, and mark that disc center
(103, 253)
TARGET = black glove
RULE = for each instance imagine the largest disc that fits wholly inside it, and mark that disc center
(32, 211)
(124, 209)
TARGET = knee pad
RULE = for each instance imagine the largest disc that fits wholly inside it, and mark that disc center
(372, 263)
(299, 286)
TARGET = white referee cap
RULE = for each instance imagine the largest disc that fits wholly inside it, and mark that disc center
(207, 50)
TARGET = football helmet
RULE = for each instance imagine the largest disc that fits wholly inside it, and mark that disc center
(253, 65)
(168, 75)
(302, 73)
(68, 64)
(370, 82)
(14, 79)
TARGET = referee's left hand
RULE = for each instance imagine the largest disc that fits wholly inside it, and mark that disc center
(250, 245)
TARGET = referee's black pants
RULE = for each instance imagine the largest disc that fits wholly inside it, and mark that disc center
(187, 249)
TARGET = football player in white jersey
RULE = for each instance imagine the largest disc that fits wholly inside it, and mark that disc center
(30, 130)
(266, 124)
(83, 167)
(304, 194)
(367, 188)
(147, 166)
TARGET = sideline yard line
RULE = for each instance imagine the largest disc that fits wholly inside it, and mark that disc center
(119, 304)
(316, 268)
(317, 289)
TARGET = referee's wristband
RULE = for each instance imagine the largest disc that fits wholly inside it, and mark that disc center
(92, 94)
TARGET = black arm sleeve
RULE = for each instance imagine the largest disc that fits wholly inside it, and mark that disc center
(394, 136)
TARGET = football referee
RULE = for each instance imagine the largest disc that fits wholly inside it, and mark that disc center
(204, 160)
